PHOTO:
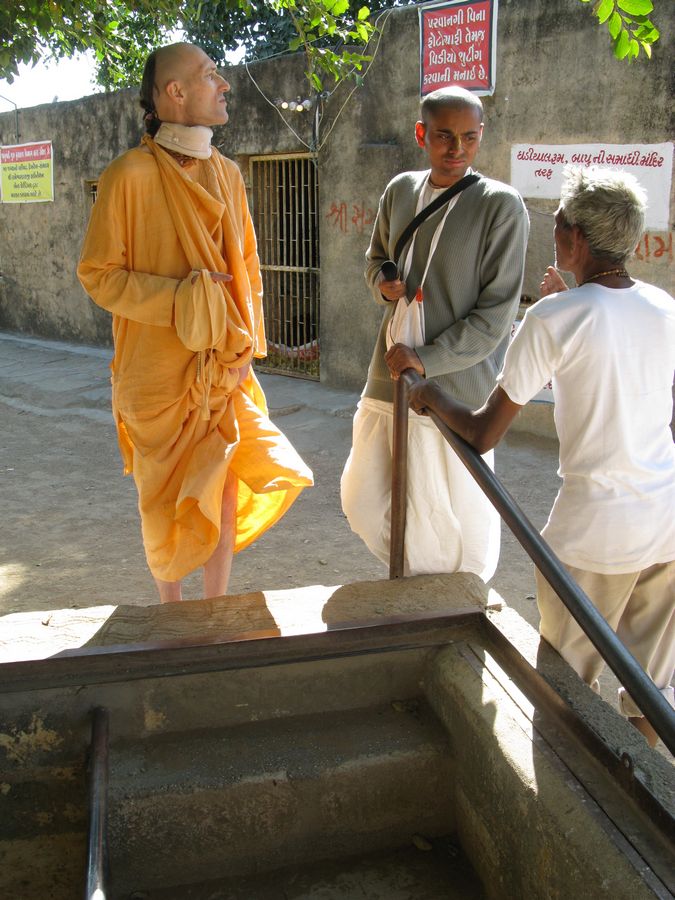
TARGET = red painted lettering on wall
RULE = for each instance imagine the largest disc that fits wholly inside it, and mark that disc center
(338, 215)
(361, 218)
(655, 247)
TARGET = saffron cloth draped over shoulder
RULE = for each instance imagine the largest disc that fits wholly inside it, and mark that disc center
(184, 416)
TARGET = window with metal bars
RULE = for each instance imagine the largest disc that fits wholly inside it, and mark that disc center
(284, 204)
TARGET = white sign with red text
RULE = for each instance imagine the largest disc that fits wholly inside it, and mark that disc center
(536, 170)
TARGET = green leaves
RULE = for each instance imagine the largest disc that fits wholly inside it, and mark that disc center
(621, 44)
(604, 10)
(121, 33)
(628, 26)
(331, 33)
(636, 7)
(615, 25)
(324, 30)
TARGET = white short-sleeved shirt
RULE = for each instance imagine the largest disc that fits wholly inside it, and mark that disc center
(611, 355)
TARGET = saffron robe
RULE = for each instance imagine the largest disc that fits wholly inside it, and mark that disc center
(183, 421)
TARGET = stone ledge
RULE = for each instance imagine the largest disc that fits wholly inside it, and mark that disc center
(308, 610)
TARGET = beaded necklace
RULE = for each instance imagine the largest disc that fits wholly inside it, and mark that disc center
(620, 272)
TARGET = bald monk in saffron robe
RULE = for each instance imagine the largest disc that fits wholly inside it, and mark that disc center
(170, 251)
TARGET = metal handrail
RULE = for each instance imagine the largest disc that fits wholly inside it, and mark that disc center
(97, 849)
(648, 698)
(399, 480)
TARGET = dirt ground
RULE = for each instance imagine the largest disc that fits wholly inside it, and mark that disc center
(69, 525)
(70, 531)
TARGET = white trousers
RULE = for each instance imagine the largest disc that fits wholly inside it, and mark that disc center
(450, 524)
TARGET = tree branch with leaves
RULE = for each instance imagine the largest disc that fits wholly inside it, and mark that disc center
(121, 33)
(333, 33)
(629, 25)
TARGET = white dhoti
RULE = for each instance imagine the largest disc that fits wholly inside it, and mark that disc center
(451, 526)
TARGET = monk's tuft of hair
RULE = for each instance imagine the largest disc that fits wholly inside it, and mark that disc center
(147, 98)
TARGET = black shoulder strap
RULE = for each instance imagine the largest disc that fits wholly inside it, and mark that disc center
(429, 210)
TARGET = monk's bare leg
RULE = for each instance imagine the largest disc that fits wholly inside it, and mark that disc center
(217, 569)
(169, 591)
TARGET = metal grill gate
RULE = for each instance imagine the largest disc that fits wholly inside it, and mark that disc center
(284, 205)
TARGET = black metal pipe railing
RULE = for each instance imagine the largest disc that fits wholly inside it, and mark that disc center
(97, 849)
(648, 698)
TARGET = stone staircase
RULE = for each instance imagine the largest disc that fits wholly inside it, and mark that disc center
(284, 794)
(440, 872)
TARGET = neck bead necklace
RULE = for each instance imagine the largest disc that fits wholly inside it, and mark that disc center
(620, 272)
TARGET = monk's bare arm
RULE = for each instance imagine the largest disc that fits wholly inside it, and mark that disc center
(482, 428)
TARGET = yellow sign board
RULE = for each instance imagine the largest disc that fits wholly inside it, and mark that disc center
(27, 173)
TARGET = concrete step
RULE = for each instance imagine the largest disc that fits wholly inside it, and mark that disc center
(436, 870)
(247, 800)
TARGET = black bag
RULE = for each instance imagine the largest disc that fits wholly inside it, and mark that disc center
(389, 268)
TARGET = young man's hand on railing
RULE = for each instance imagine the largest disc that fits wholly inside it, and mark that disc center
(399, 358)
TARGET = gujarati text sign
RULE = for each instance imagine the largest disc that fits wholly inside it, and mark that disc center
(27, 174)
(458, 45)
(536, 170)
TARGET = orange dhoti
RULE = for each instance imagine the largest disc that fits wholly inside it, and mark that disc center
(180, 463)
(186, 413)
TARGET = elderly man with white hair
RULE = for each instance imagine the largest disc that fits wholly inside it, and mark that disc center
(609, 346)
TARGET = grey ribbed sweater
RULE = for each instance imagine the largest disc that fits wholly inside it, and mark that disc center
(472, 289)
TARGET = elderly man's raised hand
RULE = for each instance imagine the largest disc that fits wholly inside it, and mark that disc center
(552, 283)
(419, 396)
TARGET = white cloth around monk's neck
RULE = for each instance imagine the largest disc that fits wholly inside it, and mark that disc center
(190, 140)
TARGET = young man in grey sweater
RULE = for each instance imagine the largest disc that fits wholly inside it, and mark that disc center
(465, 264)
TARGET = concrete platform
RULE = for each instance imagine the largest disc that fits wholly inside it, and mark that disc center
(269, 795)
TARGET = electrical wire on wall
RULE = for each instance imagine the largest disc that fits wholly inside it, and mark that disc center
(273, 104)
(387, 13)
(321, 99)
